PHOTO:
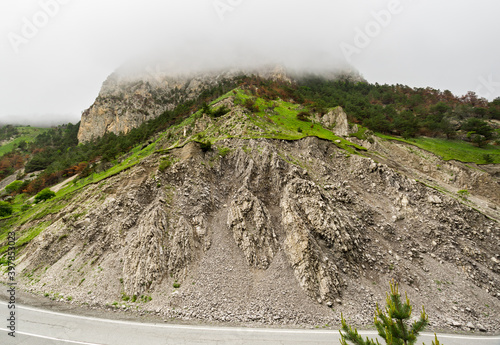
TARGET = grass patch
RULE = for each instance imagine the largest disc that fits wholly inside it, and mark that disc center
(146, 298)
(27, 236)
(27, 134)
(224, 151)
(277, 119)
(453, 149)
(62, 237)
(360, 134)
(166, 163)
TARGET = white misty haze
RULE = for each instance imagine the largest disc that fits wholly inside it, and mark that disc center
(55, 54)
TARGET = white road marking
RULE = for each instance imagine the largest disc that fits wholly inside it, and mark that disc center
(51, 338)
(228, 329)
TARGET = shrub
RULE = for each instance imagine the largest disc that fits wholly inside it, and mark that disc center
(45, 194)
(488, 158)
(177, 285)
(205, 108)
(392, 324)
(146, 299)
(224, 151)
(478, 139)
(5, 209)
(14, 187)
(478, 126)
(463, 193)
(303, 116)
(206, 146)
(251, 106)
(220, 111)
(165, 164)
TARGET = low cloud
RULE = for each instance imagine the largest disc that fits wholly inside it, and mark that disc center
(65, 49)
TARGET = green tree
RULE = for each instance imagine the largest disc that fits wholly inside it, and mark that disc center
(440, 108)
(220, 111)
(14, 187)
(478, 139)
(378, 123)
(478, 126)
(23, 146)
(407, 124)
(45, 194)
(5, 209)
(392, 324)
(205, 108)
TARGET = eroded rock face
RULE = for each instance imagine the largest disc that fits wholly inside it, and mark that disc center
(272, 232)
(250, 222)
(315, 235)
(127, 100)
(145, 253)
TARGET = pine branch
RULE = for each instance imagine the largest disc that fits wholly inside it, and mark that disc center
(435, 341)
(353, 335)
(421, 323)
(392, 323)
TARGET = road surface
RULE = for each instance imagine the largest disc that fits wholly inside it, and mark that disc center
(43, 327)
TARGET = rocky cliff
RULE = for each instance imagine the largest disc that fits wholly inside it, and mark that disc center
(272, 231)
(127, 99)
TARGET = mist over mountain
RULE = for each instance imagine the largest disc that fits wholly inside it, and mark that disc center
(60, 68)
(47, 120)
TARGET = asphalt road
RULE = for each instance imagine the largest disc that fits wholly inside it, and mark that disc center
(42, 327)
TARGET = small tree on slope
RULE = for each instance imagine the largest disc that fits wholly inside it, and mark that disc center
(393, 325)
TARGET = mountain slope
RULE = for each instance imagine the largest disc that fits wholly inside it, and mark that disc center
(128, 99)
(279, 222)
(24, 134)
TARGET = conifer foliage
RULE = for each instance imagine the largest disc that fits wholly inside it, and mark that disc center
(393, 323)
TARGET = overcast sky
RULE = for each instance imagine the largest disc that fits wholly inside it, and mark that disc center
(55, 54)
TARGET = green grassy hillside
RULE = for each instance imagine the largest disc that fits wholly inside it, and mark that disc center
(454, 149)
(260, 118)
(27, 134)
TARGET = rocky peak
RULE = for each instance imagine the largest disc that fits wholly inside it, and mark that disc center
(129, 98)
